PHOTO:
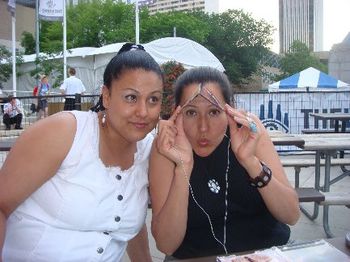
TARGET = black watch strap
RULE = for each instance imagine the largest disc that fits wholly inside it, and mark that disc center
(263, 178)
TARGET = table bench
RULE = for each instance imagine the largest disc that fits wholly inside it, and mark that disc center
(299, 163)
(310, 194)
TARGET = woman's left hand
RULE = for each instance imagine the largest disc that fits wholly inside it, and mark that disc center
(245, 130)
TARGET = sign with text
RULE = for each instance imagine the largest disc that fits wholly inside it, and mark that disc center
(51, 10)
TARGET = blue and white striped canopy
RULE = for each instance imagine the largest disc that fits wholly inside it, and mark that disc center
(309, 79)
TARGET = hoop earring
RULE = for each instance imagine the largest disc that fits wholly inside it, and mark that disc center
(103, 120)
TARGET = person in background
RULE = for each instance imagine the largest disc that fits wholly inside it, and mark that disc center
(216, 181)
(85, 196)
(43, 90)
(12, 113)
(71, 86)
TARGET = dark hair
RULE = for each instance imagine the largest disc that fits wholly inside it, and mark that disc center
(202, 75)
(130, 56)
(71, 71)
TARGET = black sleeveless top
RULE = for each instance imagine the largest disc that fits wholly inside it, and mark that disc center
(249, 225)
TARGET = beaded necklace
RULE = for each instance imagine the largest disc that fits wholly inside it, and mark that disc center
(222, 243)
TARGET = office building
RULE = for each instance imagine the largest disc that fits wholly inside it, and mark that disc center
(25, 21)
(162, 6)
(301, 20)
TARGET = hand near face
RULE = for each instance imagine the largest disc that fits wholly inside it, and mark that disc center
(244, 138)
(172, 141)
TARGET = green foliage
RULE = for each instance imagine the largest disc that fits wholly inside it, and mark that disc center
(162, 25)
(6, 63)
(297, 59)
(98, 23)
(234, 37)
(48, 65)
(172, 70)
(28, 43)
(239, 41)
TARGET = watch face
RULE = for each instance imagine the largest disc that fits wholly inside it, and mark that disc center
(264, 178)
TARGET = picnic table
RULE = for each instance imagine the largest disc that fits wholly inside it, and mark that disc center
(324, 145)
(336, 117)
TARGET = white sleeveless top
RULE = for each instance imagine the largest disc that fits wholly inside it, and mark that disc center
(87, 211)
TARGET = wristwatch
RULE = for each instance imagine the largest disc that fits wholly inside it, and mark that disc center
(263, 178)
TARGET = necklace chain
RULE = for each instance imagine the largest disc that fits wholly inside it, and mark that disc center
(223, 244)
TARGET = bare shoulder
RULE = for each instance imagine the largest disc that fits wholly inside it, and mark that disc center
(58, 129)
(35, 158)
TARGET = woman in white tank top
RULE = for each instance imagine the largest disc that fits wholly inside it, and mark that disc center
(79, 193)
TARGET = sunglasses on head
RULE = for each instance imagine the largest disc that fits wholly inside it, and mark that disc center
(206, 94)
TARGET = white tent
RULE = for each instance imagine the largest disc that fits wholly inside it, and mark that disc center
(309, 79)
(90, 62)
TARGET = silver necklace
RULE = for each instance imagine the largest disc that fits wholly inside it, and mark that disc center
(223, 244)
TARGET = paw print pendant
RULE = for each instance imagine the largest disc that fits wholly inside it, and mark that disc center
(213, 186)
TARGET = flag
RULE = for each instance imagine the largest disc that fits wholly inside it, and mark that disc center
(51, 10)
(11, 6)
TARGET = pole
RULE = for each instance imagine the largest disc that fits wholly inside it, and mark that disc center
(137, 23)
(64, 41)
(37, 41)
(14, 79)
(174, 32)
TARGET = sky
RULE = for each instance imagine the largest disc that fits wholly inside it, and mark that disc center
(336, 17)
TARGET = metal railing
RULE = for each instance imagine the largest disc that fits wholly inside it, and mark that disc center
(55, 104)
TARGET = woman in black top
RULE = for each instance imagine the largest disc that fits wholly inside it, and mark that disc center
(217, 184)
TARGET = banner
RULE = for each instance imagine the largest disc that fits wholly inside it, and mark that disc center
(51, 10)
(11, 6)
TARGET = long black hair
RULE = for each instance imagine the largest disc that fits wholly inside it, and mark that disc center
(130, 56)
(202, 75)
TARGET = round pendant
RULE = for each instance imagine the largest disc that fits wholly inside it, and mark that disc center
(213, 186)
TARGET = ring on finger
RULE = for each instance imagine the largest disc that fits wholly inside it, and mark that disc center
(252, 125)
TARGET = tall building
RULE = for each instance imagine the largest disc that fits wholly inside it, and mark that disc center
(301, 20)
(25, 21)
(163, 6)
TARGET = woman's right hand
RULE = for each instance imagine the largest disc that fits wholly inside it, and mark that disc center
(172, 141)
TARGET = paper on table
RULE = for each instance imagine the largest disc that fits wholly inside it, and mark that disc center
(313, 251)
(268, 255)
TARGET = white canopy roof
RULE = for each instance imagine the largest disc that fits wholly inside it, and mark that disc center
(90, 62)
(183, 50)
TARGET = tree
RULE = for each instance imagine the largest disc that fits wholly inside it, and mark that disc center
(48, 65)
(297, 59)
(6, 63)
(28, 42)
(239, 42)
(162, 25)
(234, 37)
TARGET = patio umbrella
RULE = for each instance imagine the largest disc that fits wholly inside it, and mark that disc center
(309, 79)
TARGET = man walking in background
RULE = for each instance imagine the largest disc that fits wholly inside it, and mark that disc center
(71, 86)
